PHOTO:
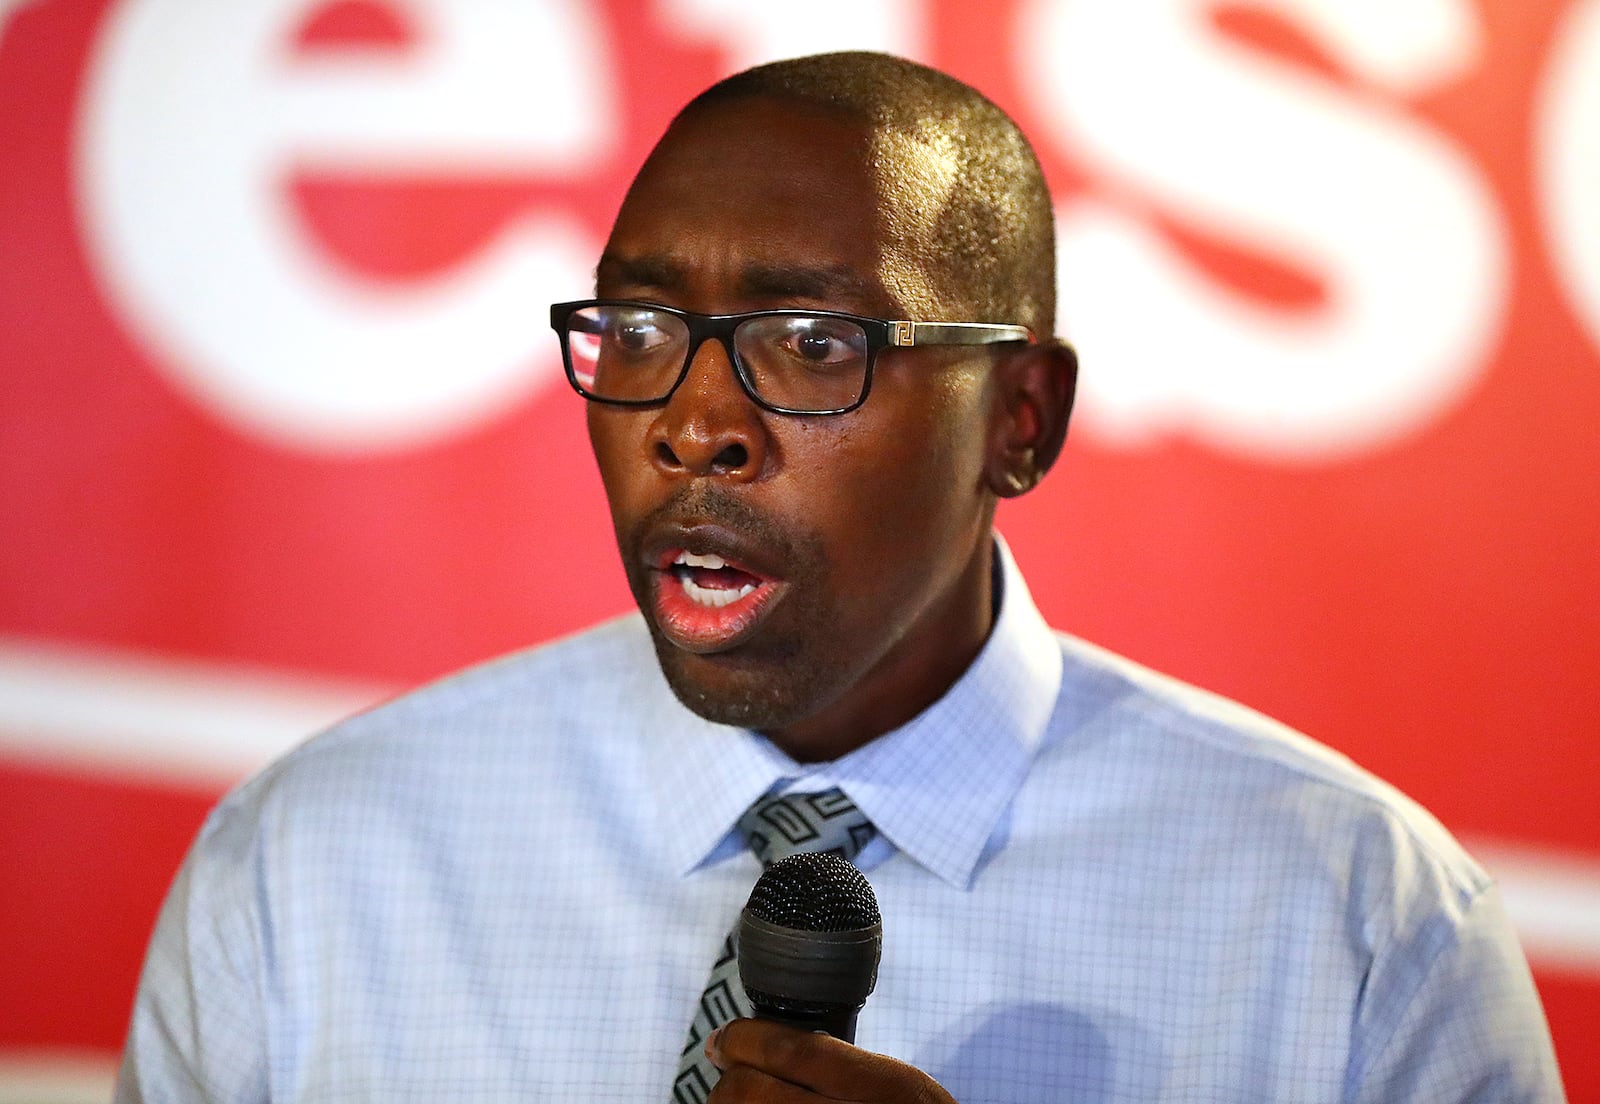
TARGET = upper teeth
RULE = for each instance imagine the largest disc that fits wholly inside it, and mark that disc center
(694, 559)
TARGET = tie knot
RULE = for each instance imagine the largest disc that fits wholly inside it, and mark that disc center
(777, 827)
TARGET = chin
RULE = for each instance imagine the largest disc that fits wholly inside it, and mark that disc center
(721, 690)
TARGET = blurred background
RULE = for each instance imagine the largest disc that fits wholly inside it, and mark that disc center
(283, 429)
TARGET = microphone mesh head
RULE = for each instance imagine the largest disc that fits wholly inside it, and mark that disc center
(815, 891)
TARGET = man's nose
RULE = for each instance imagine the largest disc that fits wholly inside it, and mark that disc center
(710, 426)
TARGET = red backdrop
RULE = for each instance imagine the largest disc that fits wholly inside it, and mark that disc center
(283, 428)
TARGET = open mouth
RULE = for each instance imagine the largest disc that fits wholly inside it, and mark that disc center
(706, 603)
(711, 581)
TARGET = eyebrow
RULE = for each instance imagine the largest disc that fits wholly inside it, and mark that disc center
(820, 283)
(823, 283)
(649, 271)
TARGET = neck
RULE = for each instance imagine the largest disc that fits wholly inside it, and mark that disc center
(910, 677)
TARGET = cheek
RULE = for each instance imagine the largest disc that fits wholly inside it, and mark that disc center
(934, 427)
(615, 442)
(903, 487)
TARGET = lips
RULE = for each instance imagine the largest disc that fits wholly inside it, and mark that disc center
(705, 597)
(712, 582)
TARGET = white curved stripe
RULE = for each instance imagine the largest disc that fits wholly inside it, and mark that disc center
(1553, 900)
(56, 1076)
(141, 714)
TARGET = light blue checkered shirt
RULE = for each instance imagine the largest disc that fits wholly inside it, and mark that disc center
(1097, 884)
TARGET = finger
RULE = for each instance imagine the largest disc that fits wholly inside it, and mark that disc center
(778, 1049)
(747, 1085)
(827, 1066)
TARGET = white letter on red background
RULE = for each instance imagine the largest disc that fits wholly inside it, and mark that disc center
(193, 119)
(1569, 160)
(1391, 217)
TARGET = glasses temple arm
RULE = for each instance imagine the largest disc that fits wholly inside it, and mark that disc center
(955, 333)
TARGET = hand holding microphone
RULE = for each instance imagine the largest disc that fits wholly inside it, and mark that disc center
(809, 944)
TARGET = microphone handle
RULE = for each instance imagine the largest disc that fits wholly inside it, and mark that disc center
(838, 1022)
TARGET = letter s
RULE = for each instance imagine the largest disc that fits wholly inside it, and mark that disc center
(1394, 220)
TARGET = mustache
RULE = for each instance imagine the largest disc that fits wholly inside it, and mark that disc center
(702, 502)
(710, 503)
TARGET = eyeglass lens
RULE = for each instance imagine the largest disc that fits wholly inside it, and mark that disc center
(799, 362)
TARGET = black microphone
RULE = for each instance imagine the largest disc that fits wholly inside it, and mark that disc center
(809, 941)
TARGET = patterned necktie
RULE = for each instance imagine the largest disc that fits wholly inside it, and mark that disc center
(775, 828)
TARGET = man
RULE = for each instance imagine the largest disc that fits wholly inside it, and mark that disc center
(1096, 884)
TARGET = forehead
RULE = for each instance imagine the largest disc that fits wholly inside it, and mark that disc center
(752, 201)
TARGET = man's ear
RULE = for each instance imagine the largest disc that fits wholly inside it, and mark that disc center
(1035, 386)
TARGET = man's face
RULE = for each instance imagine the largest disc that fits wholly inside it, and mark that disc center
(821, 578)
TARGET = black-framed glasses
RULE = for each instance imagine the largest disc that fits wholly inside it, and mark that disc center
(630, 353)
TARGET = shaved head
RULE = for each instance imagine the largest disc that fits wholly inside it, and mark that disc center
(963, 198)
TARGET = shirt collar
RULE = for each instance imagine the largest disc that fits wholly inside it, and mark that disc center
(936, 787)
